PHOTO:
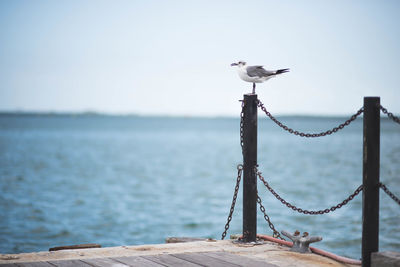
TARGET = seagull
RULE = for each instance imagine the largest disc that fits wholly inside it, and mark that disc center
(255, 74)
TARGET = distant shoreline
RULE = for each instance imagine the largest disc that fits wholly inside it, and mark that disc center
(132, 115)
(63, 114)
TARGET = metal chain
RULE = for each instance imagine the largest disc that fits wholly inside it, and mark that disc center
(241, 125)
(239, 176)
(275, 234)
(311, 212)
(390, 194)
(390, 114)
(283, 201)
(328, 132)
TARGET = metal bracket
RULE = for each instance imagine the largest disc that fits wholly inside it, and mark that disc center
(301, 243)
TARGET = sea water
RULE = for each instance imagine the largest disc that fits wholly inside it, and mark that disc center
(128, 180)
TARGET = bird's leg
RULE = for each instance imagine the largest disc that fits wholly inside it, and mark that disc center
(254, 88)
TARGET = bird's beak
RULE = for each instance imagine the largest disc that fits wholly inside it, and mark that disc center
(234, 64)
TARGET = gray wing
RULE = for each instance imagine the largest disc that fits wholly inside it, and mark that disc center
(259, 71)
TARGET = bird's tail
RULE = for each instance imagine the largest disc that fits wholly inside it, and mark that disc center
(281, 71)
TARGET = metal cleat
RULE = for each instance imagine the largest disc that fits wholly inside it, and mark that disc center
(301, 243)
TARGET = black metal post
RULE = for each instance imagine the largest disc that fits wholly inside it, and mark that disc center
(370, 204)
(249, 162)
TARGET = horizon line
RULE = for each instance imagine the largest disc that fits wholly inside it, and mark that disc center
(133, 114)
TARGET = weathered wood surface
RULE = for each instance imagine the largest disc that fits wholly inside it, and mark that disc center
(223, 259)
(137, 261)
(203, 253)
(69, 263)
(169, 260)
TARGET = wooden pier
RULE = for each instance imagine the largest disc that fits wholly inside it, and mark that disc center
(199, 253)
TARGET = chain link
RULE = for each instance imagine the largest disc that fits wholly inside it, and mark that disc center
(390, 194)
(275, 234)
(390, 114)
(239, 176)
(304, 211)
(290, 130)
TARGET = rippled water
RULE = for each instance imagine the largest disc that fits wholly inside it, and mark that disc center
(137, 180)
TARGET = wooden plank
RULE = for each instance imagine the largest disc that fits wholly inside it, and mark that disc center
(240, 260)
(104, 262)
(225, 259)
(35, 264)
(183, 239)
(168, 260)
(69, 263)
(137, 261)
(203, 260)
(81, 246)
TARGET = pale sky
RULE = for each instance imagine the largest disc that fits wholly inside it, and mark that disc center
(173, 57)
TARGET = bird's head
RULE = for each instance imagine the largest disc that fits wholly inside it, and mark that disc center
(239, 64)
